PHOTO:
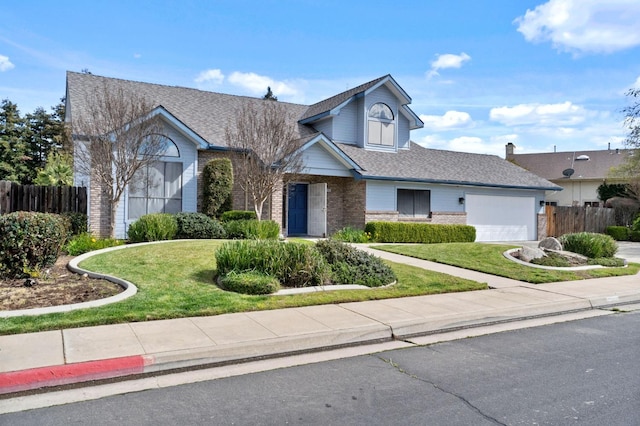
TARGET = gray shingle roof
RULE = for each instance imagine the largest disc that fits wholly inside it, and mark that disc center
(439, 166)
(332, 102)
(550, 165)
(206, 113)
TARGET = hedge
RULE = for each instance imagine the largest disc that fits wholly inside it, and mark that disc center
(427, 233)
(618, 233)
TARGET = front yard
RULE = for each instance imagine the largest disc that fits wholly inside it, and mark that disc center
(175, 279)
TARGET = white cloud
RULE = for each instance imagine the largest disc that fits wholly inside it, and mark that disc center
(563, 114)
(588, 26)
(213, 75)
(474, 144)
(5, 63)
(137, 55)
(257, 84)
(447, 60)
(450, 120)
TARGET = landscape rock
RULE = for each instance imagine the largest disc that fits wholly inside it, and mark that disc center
(550, 243)
(527, 254)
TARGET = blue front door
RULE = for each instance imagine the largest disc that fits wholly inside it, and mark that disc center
(297, 217)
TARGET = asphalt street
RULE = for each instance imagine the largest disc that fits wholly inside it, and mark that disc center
(579, 372)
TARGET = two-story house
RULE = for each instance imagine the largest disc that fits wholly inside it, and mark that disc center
(579, 173)
(360, 165)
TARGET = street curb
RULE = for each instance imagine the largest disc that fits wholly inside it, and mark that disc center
(112, 368)
(57, 375)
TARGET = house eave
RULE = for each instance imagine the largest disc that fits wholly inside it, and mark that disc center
(359, 176)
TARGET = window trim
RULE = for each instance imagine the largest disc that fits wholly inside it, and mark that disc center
(381, 125)
(413, 201)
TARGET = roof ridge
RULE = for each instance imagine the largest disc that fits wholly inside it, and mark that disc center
(89, 75)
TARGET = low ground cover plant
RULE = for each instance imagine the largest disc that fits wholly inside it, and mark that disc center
(86, 242)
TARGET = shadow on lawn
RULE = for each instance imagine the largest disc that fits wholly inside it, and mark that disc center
(205, 276)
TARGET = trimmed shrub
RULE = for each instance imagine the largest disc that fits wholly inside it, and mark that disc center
(426, 233)
(618, 233)
(86, 242)
(77, 222)
(634, 236)
(217, 184)
(251, 229)
(198, 226)
(29, 242)
(352, 266)
(294, 265)
(589, 244)
(351, 235)
(153, 227)
(250, 282)
(238, 215)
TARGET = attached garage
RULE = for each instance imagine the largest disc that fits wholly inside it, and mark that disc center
(502, 218)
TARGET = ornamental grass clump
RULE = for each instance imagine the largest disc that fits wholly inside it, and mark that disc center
(589, 244)
(293, 265)
(351, 235)
(153, 227)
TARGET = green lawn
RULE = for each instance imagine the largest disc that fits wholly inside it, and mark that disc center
(488, 258)
(175, 279)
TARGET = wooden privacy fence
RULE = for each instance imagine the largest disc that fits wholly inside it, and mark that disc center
(566, 220)
(45, 199)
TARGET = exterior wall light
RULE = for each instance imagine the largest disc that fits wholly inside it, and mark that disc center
(461, 200)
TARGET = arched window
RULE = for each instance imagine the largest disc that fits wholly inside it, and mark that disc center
(381, 125)
(157, 187)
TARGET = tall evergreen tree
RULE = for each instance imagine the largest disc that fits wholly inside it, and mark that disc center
(13, 150)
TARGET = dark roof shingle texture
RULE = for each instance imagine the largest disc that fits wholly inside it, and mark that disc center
(434, 165)
(206, 113)
(550, 165)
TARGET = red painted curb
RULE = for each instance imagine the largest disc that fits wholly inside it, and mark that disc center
(34, 378)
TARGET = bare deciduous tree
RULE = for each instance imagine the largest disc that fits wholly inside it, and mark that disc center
(263, 141)
(115, 136)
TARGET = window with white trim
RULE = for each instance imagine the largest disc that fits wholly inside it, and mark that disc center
(157, 188)
(381, 125)
(414, 203)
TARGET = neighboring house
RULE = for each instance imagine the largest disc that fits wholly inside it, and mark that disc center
(359, 166)
(579, 173)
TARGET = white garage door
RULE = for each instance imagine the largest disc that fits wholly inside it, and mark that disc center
(498, 218)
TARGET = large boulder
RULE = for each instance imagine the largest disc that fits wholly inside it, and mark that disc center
(527, 254)
(550, 243)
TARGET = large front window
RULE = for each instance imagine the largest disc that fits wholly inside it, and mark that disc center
(414, 203)
(381, 126)
(156, 188)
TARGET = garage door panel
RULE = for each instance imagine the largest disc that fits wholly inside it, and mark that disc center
(501, 218)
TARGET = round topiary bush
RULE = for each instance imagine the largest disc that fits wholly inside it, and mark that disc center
(29, 242)
(250, 282)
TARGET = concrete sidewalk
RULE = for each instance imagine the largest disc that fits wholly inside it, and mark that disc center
(46, 359)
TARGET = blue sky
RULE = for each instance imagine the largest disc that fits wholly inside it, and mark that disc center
(540, 74)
